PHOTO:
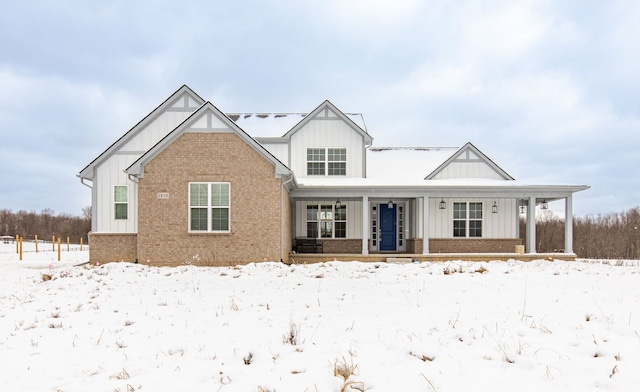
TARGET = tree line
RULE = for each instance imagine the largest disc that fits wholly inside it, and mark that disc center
(609, 236)
(45, 225)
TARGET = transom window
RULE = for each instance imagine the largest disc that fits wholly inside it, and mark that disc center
(121, 202)
(209, 206)
(326, 161)
(467, 219)
(326, 221)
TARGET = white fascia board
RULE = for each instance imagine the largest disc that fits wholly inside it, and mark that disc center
(137, 168)
(465, 191)
(88, 171)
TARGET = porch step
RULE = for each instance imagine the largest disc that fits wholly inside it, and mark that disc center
(399, 260)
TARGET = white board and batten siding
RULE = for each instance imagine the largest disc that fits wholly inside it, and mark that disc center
(502, 224)
(278, 150)
(468, 170)
(354, 217)
(111, 172)
(327, 133)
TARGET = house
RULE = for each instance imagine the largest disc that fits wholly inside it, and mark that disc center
(190, 184)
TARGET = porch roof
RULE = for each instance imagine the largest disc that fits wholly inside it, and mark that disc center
(376, 187)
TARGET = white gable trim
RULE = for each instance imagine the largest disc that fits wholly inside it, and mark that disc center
(184, 99)
(206, 119)
(470, 153)
(328, 111)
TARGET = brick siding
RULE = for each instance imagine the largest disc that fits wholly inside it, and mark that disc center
(163, 236)
(108, 247)
(344, 246)
(473, 245)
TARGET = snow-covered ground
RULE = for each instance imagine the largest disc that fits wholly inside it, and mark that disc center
(551, 326)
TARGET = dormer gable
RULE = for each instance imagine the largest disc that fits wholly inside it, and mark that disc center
(328, 111)
(468, 162)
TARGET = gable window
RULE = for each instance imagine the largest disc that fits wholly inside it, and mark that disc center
(337, 161)
(315, 161)
(121, 202)
(326, 161)
(209, 206)
(467, 219)
(326, 221)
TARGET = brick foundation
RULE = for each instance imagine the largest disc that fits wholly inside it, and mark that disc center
(414, 245)
(473, 245)
(108, 247)
(341, 246)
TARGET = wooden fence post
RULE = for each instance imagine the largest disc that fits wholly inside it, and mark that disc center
(58, 248)
(20, 248)
(67, 243)
(36, 243)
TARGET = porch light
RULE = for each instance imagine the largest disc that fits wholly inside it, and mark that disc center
(390, 204)
(443, 205)
(544, 205)
(494, 208)
(523, 209)
(338, 204)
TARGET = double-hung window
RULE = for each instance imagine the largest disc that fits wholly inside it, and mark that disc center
(121, 202)
(467, 219)
(326, 161)
(337, 161)
(315, 161)
(209, 206)
(326, 221)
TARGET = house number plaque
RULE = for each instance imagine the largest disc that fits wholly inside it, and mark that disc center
(163, 195)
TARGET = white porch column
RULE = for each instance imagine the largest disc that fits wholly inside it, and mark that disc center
(531, 225)
(568, 224)
(425, 225)
(365, 225)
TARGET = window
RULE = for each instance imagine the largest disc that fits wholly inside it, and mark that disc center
(337, 161)
(315, 161)
(329, 161)
(467, 218)
(209, 206)
(475, 219)
(121, 201)
(326, 221)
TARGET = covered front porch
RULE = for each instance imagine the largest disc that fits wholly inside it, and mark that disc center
(461, 223)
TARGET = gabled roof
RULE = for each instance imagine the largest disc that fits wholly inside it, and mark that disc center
(470, 150)
(329, 110)
(183, 92)
(271, 126)
(405, 163)
(137, 167)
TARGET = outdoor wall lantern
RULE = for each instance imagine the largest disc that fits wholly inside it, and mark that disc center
(523, 209)
(544, 205)
(443, 205)
(390, 204)
(338, 204)
(494, 208)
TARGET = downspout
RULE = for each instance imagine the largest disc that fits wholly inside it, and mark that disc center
(281, 219)
(85, 184)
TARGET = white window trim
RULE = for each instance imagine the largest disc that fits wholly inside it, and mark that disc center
(209, 208)
(326, 161)
(114, 202)
(467, 220)
(318, 221)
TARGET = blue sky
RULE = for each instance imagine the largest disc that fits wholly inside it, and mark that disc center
(549, 90)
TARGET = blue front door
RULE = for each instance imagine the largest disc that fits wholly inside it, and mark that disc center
(387, 227)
